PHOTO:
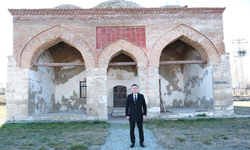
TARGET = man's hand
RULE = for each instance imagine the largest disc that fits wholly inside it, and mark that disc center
(127, 117)
(144, 116)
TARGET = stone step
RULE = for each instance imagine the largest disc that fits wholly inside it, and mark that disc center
(118, 112)
(241, 110)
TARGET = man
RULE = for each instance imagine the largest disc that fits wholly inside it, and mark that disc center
(136, 110)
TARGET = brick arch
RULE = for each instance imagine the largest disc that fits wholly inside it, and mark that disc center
(187, 34)
(128, 48)
(42, 41)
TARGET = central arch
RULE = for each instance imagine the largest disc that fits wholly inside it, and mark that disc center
(199, 41)
(130, 49)
(42, 41)
(122, 51)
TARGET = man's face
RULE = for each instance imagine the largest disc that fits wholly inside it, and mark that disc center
(134, 89)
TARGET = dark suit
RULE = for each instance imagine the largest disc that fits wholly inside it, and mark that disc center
(135, 111)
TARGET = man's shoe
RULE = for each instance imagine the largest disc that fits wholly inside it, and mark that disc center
(142, 145)
(132, 145)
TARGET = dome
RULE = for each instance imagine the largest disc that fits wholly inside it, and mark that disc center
(118, 4)
(173, 6)
(67, 6)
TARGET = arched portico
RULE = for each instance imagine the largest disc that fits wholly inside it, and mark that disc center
(42, 41)
(187, 34)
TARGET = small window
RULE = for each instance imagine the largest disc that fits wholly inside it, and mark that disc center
(83, 89)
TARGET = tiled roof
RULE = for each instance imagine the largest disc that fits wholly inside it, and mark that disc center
(113, 11)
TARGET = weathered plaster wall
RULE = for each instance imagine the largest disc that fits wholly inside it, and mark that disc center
(198, 87)
(42, 87)
(172, 86)
(67, 97)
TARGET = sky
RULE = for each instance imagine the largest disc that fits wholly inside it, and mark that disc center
(236, 19)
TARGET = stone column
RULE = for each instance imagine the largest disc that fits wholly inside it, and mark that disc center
(97, 91)
(149, 86)
(223, 98)
(16, 92)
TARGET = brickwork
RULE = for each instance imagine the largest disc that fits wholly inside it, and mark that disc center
(42, 41)
(108, 35)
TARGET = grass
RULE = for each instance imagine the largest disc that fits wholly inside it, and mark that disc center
(2, 111)
(202, 133)
(57, 135)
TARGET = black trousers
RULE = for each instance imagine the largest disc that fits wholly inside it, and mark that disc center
(132, 131)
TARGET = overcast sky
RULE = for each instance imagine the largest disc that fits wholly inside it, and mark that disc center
(236, 19)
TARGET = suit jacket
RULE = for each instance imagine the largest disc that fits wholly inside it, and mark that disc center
(136, 110)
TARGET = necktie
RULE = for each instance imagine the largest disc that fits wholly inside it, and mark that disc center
(135, 99)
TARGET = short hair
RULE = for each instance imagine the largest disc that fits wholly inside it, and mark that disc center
(134, 85)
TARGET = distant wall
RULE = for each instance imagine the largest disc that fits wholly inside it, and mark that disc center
(2, 99)
(116, 77)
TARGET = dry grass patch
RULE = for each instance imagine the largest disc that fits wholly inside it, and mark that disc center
(60, 135)
(223, 134)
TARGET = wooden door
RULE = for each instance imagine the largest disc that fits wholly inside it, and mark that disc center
(120, 95)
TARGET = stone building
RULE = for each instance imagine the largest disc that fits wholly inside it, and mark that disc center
(70, 63)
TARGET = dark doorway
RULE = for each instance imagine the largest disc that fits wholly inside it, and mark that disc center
(120, 94)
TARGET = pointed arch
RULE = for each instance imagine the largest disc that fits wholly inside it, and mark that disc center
(133, 51)
(187, 34)
(42, 41)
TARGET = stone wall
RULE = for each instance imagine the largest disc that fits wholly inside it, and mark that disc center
(17, 91)
(223, 99)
